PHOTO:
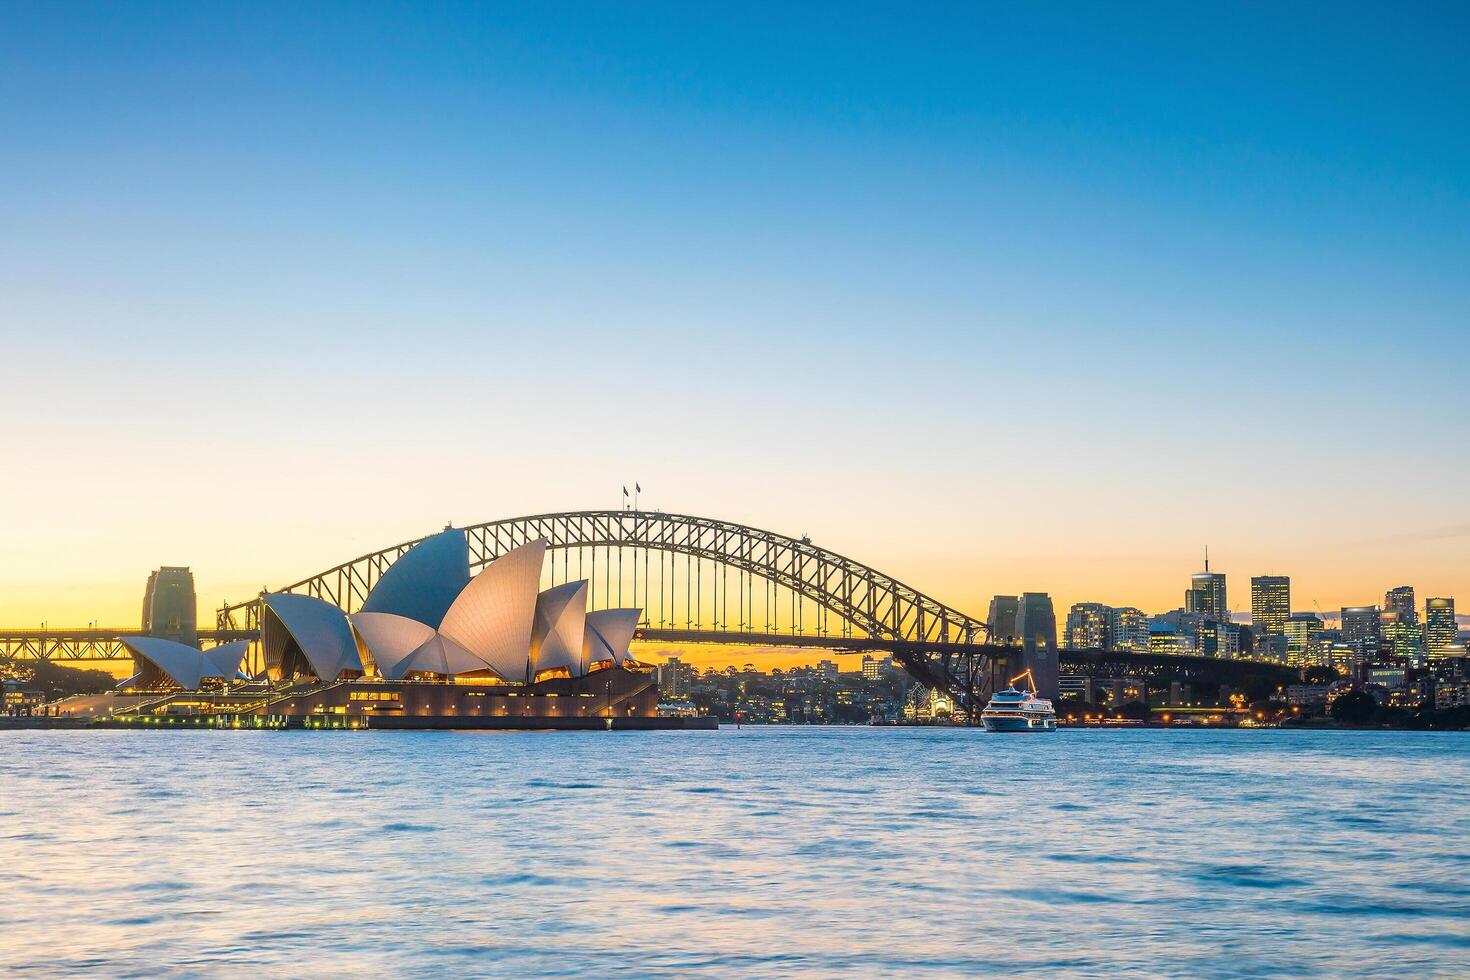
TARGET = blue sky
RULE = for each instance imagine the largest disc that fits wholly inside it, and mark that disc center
(1060, 291)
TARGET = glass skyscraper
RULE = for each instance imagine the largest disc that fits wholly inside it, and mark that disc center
(1362, 630)
(1441, 628)
(1401, 601)
(1270, 604)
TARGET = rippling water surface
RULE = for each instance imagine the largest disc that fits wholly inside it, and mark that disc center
(766, 851)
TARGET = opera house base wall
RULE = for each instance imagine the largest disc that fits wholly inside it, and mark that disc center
(614, 698)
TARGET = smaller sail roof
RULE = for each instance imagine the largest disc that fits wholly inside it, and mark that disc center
(186, 666)
(425, 580)
(320, 629)
(390, 640)
(610, 633)
(227, 657)
(441, 655)
(557, 636)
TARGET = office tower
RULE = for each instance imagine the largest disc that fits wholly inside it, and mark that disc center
(1129, 630)
(1401, 639)
(1206, 593)
(1301, 629)
(1165, 638)
(1036, 625)
(1270, 604)
(1401, 601)
(1441, 629)
(1002, 620)
(169, 606)
(1217, 639)
(1361, 630)
(1089, 627)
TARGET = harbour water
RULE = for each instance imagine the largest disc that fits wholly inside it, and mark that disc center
(764, 851)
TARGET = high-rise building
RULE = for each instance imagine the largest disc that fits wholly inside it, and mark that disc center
(1165, 638)
(1270, 604)
(1362, 630)
(1441, 630)
(170, 606)
(1401, 601)
(1300, 630)
(1089, 627)
(1129, 630)
(1206, 594)
(1002, 620)
(1400, 639)
(673, 677)
(875, 668)
(1036, 625)
(1217, 639)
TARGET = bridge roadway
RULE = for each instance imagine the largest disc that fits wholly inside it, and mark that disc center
(90, 645)
(101, 645)
(684, 569)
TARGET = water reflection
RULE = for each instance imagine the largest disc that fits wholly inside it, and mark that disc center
(765, 851)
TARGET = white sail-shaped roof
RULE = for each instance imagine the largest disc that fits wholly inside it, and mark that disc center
(610, 633)
(227, 657)
(391, 640)
(492, 617)
(441, 655)
(556, 638)
(186, 666)
(320, 630)
(424, 582)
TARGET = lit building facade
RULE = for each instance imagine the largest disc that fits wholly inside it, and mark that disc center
(1217, 639)
(1166, 639)
(1401, 640)
(1270, 604)
(1441, 629)
(1362, 630)
(876, 668)
(1301, 629)
(1089, 627)
(1129, 630)
(1206, 595)
(1401, 601)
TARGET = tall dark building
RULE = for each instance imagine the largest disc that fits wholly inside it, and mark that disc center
(169, 606)
(1206, 594)
(1002, 620)
(1401, 601)
(1362, 630)
(1270, 604)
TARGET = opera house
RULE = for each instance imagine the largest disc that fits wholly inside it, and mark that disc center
(431, 647)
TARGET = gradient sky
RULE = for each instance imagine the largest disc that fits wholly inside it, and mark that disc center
(994, 298)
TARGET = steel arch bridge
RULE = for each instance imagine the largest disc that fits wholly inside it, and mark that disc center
(699, 579)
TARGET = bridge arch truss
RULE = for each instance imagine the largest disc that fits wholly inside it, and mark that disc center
(698, 576)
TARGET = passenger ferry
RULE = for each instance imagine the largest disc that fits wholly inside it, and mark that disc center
(1014, 710)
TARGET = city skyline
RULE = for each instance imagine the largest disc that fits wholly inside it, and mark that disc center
(1007, 310)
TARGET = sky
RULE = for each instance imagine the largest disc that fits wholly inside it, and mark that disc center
(1041, 297)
